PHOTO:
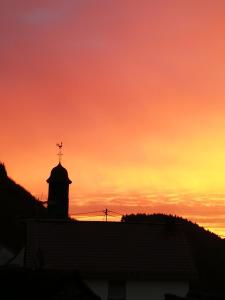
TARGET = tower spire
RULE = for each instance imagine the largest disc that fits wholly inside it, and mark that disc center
(60, 153)
(58, 191)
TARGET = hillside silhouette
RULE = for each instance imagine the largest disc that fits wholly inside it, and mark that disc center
(207, 248)
(16, 205)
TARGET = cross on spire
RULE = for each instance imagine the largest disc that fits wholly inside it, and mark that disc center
(60, 154)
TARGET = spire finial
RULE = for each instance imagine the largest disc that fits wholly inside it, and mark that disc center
(60, 154)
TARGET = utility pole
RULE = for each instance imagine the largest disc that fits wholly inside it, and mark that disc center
(106, 214)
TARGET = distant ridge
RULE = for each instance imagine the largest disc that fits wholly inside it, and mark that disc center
(16, 204)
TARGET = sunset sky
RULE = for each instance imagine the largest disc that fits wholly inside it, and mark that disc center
(135, 90)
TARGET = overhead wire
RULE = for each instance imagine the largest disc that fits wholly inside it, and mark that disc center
(117, 213)
(105, 213)
(90, 212)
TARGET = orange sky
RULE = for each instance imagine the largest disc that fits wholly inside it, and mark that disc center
(134, 89)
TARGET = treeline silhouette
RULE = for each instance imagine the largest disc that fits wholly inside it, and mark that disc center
(207, 248)
(16, 205)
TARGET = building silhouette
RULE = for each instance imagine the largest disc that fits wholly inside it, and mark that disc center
(58, 192)
(116, 260)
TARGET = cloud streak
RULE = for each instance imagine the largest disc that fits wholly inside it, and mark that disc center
(200, 208)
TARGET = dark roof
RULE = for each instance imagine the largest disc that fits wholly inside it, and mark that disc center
(44, 284)
(109, 248)
(59, 173)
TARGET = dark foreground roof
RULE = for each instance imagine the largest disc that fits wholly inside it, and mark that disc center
(43, 284)
(101, 249)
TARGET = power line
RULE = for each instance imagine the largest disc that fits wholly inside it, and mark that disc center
(106, 213)
(117, 213)
(86, 217)
(89, 212)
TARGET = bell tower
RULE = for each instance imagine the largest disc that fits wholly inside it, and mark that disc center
(58, 192)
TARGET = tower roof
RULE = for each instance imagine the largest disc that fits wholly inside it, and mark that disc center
(59, 174)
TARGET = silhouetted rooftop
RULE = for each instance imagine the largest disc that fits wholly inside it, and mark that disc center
(98, 249)
(43, 284)
(59, 173)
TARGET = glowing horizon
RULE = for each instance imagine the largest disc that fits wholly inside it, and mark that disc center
(134, 89)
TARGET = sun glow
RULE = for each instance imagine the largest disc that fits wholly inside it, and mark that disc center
(136, 93)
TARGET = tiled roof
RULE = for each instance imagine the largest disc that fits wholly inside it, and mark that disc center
(109, 249)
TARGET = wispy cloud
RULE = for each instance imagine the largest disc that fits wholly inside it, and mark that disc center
(205, 209)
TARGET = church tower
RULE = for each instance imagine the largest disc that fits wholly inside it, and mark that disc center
(58, 192)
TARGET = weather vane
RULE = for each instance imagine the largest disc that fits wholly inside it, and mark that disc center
(60, 154)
